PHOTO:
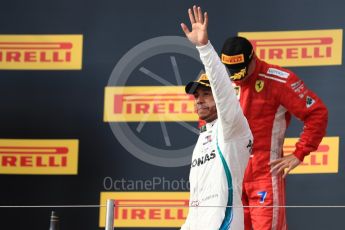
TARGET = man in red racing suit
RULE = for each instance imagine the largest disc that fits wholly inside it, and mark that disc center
(268, 95)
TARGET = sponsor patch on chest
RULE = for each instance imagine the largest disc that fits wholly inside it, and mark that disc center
(278, 72)
(309, 102)
(204, 159)
(208, 139)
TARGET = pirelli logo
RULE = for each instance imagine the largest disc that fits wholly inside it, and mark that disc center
(324, 160)
(41, 52)
(298, 48)
(146, 209)
(232, 60)
(153, 103)
(38, 156)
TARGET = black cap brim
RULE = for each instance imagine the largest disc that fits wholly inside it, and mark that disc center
(234, 71)
(193, 85)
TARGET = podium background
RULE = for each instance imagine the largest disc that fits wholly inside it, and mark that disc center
(69, 104)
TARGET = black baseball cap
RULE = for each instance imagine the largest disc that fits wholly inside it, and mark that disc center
(236, 54)
(193, 85)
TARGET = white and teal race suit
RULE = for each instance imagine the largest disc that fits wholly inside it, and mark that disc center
(220, 156)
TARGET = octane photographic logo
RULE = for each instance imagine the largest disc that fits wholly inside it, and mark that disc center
(145, 103)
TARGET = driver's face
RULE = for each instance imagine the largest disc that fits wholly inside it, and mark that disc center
(205, 104)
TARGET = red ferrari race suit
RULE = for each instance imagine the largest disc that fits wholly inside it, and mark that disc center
(268, 97)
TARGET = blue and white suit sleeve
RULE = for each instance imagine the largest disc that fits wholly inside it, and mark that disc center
(230, 114)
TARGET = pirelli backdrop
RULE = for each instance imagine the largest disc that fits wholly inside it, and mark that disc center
(92, 107)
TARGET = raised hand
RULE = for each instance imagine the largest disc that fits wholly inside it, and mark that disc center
(199, 21)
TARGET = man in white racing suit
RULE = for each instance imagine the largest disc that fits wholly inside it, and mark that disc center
(222, 151)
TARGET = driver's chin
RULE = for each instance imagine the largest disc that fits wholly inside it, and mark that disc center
(203, 115)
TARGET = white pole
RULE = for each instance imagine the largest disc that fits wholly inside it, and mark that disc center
(109, 222)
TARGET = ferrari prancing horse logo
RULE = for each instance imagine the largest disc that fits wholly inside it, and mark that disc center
(259, 85)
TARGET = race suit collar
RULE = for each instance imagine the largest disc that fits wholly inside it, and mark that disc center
(210, 124)
(207, 126)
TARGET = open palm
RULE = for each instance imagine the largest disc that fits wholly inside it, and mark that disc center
(198, 36)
